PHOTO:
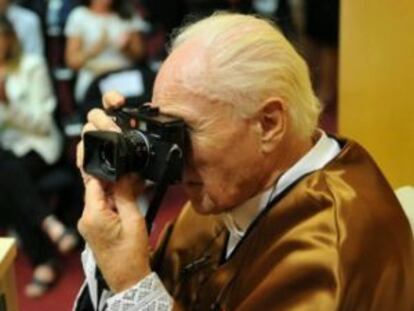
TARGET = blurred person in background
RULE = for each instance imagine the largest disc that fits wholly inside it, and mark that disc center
(27, 25)
(30, 144)
(321, 45)
(277, 10)
(53, 13)
(102, 36)
(165, 16)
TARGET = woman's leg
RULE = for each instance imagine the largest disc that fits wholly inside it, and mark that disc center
(17, 180)
(22, 194)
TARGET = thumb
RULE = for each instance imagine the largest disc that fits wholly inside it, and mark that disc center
(95, 202)
(125, 197)
(94, 194)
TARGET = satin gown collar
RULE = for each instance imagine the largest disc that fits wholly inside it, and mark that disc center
(239, 219)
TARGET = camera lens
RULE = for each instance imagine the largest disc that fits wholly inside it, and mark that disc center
(107, 156)
(139, 149)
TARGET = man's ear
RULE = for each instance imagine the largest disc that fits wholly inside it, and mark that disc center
(272, 120)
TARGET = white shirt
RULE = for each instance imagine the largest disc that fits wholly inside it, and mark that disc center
(150, 291)
(28, 28)
(90, 27)
(26, 120)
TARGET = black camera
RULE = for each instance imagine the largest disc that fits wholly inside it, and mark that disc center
(151, 144)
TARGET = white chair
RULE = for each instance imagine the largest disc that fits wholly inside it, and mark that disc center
(406, 197)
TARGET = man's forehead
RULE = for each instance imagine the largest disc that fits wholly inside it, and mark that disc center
(180, 87)
(183, 68)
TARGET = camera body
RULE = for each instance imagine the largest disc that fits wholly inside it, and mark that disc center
(151, 144)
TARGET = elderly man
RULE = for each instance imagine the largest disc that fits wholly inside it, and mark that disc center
(281, 216)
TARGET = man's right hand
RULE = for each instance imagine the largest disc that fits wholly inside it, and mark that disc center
(111, 223)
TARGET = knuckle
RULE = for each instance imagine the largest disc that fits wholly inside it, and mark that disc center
(87, 128)
(94, 113)
(112, 99)
(79, 155)
(86, 225)
(82, 227)
(99, 120)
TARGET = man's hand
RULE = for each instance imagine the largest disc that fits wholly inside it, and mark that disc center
(111, 223)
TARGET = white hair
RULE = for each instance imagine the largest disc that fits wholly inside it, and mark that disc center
(247, 60)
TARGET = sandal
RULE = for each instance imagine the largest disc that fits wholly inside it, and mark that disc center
(40, 285)
(67, 241)
(65, 238)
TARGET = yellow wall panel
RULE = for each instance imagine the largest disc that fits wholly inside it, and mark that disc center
(376, 82)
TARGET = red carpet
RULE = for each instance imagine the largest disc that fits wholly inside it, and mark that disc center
(61, 296)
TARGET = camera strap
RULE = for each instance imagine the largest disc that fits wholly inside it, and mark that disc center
(161, 188)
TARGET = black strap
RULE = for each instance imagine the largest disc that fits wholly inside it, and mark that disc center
(161, 188)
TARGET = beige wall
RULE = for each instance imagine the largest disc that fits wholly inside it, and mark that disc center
(376, 82)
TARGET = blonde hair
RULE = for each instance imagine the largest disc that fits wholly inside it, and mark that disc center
(248, 60)
(14, 53)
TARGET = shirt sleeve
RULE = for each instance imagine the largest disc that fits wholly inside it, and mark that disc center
(89, 267)
(36, 45)
(149, 294)
(74, 23)
(33, 43)
(138, 24)
(34, 110)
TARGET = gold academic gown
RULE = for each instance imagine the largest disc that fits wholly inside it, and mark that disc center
(336, 240)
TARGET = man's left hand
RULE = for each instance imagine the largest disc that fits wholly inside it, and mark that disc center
(111, 222)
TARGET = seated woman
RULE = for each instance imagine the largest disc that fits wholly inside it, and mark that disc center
(30, 143)
(102, 36)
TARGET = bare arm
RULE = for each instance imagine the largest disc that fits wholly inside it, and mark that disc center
(77, 56)
(133, 46)
(74, 55)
